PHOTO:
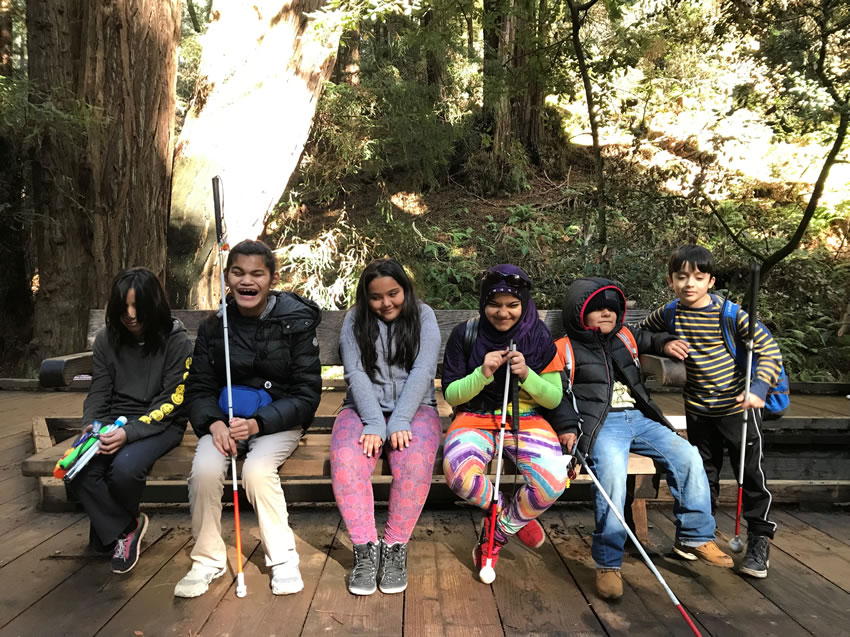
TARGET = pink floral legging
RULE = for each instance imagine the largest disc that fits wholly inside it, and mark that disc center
(412, 467)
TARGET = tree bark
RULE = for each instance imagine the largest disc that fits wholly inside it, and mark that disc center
(15, 295)
(501, 101)
(433, 61)
(101, 200)
(528, 104)
(262, 72)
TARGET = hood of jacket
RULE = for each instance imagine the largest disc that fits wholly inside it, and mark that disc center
(575, 303)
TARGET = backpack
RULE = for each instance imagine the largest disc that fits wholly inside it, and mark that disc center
(778, 397)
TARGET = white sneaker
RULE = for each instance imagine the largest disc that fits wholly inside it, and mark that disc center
(197, 581)
(286, 579)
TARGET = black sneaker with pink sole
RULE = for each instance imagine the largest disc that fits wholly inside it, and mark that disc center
(127, 547)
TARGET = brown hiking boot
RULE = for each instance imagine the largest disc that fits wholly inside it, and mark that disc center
(609, 583)
(708, 552)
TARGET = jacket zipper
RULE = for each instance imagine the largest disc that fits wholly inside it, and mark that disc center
(610, 394)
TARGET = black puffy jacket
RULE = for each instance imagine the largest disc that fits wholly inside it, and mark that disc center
(278, 352)
(599, 359)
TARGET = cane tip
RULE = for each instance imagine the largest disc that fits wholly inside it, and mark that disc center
(487, 574)
(735, 545)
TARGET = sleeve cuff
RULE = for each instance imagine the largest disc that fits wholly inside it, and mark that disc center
(393, 427)
(759, 388)
(375, 430)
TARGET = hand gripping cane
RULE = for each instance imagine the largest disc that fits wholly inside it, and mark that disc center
(241, 590)
(635, 541)
(487, 574)
(735, 544)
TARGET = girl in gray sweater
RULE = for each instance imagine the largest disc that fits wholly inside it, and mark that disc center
(389, 346)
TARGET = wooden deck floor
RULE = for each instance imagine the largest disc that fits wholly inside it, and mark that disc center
(50, 586)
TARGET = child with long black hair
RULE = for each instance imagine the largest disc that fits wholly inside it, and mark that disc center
(389, 345)
(140, 361)
(473, 382)
(277, 384)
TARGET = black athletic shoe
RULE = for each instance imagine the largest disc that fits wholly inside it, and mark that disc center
(757, 559)
(127, 548)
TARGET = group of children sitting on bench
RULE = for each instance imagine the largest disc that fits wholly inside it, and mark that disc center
(584, 389)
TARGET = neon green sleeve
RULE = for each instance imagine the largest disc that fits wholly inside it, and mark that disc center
(465, 389)
(546, 389)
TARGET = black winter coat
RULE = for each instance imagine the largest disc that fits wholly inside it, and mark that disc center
(278, 353)
(599, 360)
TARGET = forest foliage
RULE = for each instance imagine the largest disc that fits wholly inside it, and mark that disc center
(571, 138)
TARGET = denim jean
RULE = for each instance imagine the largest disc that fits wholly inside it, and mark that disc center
(630, 430)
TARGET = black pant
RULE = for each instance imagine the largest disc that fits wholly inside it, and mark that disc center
(711, 435)
(110, 486)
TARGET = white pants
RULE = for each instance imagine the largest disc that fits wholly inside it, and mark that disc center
(261, 481)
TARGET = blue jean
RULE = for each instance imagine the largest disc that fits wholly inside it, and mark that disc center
(630, 430)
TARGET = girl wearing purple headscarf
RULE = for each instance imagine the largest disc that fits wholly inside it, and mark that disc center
(473, 382)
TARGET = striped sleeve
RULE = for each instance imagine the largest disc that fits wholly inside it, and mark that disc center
(654, 322)
(765, 350)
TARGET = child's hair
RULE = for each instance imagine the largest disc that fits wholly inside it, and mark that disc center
(249, 247)
(404, 335)
(697, 256)
(152, 309)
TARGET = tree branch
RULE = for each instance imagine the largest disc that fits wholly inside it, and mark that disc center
(193, 16)
(729, 230)
(788, 248)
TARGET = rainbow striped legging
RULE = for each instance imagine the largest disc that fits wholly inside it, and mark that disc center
(537, 455)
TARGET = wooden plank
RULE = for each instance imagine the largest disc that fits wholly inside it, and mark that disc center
(569, 529)
(15, 439)
(17, 486)
(310, 459)
(816, 604)
(336, 611)
(16, 452)
(834, 524)
(269, 614)
(32, 532)
(523, 588)
(41, 438)
(820, 405)
(751, 612)
(813, 548)
(444, 596)
(42, 569)
(155, 611)
(85, 601)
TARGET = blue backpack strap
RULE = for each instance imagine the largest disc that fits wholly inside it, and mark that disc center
(729, 324)
(670, 315)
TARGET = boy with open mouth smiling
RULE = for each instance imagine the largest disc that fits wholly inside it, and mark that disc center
(277, 382)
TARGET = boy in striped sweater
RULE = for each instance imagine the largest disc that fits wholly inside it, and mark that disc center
(714, 391)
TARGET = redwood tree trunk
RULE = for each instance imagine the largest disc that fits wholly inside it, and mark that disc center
(262, 72)
(528, 104)
(102, 200)
(497, 99)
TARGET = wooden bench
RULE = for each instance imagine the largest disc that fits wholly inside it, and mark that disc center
(306, 474)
